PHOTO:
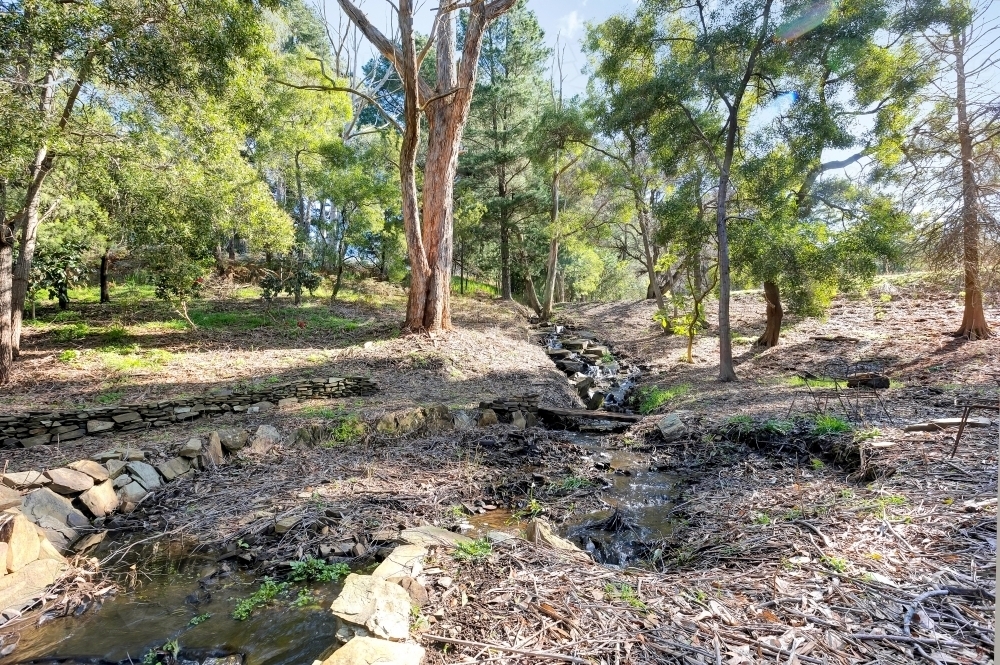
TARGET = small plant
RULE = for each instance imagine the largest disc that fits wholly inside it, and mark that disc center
(779, 427)
(347, 430)
(607, 358)
(879, 505)
(69, 355)
(110, 397)
(304, 599)
(72, 332)
(827, 424)
(836, 563)
(200, 619)
(761, 518)
(456, 512)
(572, 483)
(477, 549)
(792, 514)
(624, 593)
(867, 434)
(650, 398)
(116, 335)
(743, 424)
(816, 464)
(317, 570)
(268, 591)
(533, 508)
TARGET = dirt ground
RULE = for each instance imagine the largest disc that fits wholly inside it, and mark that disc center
(783, 550)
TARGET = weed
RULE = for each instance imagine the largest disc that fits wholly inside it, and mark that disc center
(650, 398)
(761, 518)
(836, 563)
(200, 619)
(534, 508)
(317, 570)
(456, 512)
(572, 483)
(847, 493)
(607, 358)
(326, 412)
(72, 332)
(624, 593)
(347, 430)
(304, 599)
(816, 463)
(743, 424)
(268, 591)
(779, 427)
(879, 505)
(867, 434)
(827, 424)
(792, 514)
(477, 549)
(815, 382)
(110, 397)
(116, 335)
(69, 355)
(232, 320)
(135, 359)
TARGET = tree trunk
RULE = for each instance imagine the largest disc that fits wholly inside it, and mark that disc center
(774, 314)
(654, 282)
(549, 288)
(727, 372)
(531, 295)
(505, 290)
(6, 290)
(340, 272)
(232, 248)
(974, 324)
(22, 267)
(105, 260)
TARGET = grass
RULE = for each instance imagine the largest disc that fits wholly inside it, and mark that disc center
(836, 563)
(474, 551)
(268, 591)
(72, 332)
(317, 570)
(650, 398)
(471, 286)
(761, 518)
(110, 397)
(69, 355)
(624, 593)
(228, 320)
(534, 508)
(347, 430)
(572, 483)
(827, 424)
(133, 359)
(819, 382)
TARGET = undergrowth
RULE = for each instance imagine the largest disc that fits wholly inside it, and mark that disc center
(650, 398)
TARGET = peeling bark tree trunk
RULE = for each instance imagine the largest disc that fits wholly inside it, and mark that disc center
(6, 327)
(774, 314)
(974, 324)
(531, 295)
(105, 260)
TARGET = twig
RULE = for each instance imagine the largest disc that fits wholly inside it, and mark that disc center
(522, 652)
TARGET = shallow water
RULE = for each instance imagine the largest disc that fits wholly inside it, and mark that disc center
(162, 606)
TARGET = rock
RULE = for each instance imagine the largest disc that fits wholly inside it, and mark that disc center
(122, 480)
(115, 467)
(488, 418)
(445, 582)
(575, 344)
(4, 549)
(191, 449)
(671, 427)
(25, 480)
(583, 386)
(405, 561)
(369, 651)
(129, 417)
(9, 498)
(29, 583)
(288, 401)
(132, 492)
(386, 424)
(596, 401)
(410, 421)
(260, 407)
(68, 481)
(265, 438)
(234, 659)
(47, 551)
(233, 440)
(531, 419)
(89, 541)
(286, 524)
(310, 436)
(438, 418)
(145, 475)
(91, 468)
(517, 420)
(462, 421)
(497, 537)
(55, 515)
(381, 607)
(572, 366)
(540, 533)
(417, 591)
(100, 499)
(213, 455)
(95, 426)
(22, 542)
(173, 468)
(431, 536)
(33, 441)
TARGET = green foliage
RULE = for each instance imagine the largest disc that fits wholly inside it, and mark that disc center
(317, 570)
(69, 355)
(837, 564)
(828, 424)
(625, 593)
(200, 619)
(477, 549)
(533, 508)
(651, 398)
(348, 429)
(572, 483)
(268, 591)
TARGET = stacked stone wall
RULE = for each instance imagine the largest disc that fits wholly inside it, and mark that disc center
(36, 428)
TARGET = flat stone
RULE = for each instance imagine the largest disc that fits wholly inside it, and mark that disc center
(191, 449)
(671, 427)
(9, 498)
(115, 467)
(286, 524)
(33, 441)
(89, 541)
(129, 417)
(122, 480)
(25, 479)
(213, 451)
(78, 433)
(145, 475)
(431, 536)
(22, 542)
(265, 438)
(487, 418)
(463, 421)
(288, 401)
(101, 499)
(132, 493)
(405, 561)
(260, 407)
(96, 471)
(47, 551)
(540, 533)
(95, 426)
(68, 481)
(55, 515)
(29, 583)
(947, 423)
(417, 591)
(379, 606)
(173, 468)
(232, 440)
(371, 651)
(596, 401)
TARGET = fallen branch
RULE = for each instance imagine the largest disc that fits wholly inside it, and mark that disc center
(522, 652)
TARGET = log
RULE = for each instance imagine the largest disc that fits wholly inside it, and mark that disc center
(555, 412)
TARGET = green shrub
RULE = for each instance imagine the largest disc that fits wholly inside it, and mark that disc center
(650, 398)
(317, 570)
(477, 549)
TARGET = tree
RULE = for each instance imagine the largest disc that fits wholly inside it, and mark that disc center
(446, 106)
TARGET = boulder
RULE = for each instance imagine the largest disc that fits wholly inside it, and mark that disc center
(55, 515)
(260, 407)
(145, 475)
(671, 427)
(95, 426)
(265, 438)
(22, 542)
(432, 536)
(405, 561)
(488, 418)
(96, 471)
(191, 449)
(68, 481)
(572, 366)
(9, 498)
(213, 456)
(310, 436)
(596, 401)
(132, 493)
(101, 499)
(25, 480)
(462, 421)
(47, 551)
(173, 468)
(233, 440)
(437, 418)
(410, 421)
(29, 583)
(380, 607)
(583, 386)
(369, 651)
(115, 467)
(517, 420)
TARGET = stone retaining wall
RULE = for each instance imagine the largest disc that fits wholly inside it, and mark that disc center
(41, 427)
